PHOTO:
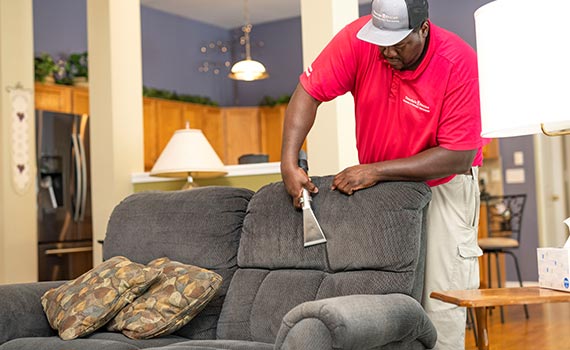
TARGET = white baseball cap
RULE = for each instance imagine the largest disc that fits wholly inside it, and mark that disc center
(393, 20)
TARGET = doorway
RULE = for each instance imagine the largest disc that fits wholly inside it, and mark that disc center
(552, 160)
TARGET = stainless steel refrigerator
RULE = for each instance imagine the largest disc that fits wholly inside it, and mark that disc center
(65, 248)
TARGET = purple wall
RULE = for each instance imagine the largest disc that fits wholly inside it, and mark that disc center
(60, 26)
(171, 55)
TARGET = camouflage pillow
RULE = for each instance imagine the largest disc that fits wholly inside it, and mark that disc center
(80, 306)
(180, 294)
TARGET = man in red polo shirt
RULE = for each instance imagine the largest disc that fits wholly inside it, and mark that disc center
(416, 94)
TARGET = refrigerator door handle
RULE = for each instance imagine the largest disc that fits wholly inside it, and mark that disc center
(83, 167)
(68, 250)
(78, 177)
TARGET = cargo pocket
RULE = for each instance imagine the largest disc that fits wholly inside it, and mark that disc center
(469, 270)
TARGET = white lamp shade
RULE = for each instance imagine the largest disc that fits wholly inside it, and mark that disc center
(188, 153)
(522, 48)
(248, 70)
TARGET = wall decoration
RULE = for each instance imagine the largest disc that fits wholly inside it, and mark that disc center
(216, 57)
(21, 103)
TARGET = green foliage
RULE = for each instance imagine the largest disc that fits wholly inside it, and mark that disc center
(78, 65)
(63, 70)
(269, 101)
(44, 66)
(172, 95)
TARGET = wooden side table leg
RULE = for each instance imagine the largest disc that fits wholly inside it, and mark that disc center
(482, 333)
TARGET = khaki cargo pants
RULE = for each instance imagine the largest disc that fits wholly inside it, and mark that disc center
(452, 252)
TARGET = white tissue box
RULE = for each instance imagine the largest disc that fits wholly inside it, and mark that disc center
(554, 268)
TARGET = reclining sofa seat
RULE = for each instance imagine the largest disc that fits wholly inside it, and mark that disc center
(360, 290)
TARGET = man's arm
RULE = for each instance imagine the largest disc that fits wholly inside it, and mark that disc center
(433, 163)
(299, 118)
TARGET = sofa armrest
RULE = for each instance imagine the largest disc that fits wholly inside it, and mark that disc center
(21, 312)
(356, 322)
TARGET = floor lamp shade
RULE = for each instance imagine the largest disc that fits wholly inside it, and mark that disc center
(522, 50)
(188, 153)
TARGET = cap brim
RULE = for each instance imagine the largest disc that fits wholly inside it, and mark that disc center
(372, 34)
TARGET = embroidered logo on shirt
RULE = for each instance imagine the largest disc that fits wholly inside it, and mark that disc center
(308, 71)
(416, 104)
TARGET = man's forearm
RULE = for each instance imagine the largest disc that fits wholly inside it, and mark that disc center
(427, 165)
(430, 164)
(299, 118)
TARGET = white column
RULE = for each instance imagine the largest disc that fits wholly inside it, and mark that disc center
(18, 230)
(331, 144)
(115, 93)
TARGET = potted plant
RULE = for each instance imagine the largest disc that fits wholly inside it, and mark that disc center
(44, 68)
(78, 69)
(61, 74)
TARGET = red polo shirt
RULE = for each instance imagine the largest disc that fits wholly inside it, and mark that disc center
(401, 113)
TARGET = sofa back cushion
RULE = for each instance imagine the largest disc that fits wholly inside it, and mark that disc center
(375, 245)
(199, 227)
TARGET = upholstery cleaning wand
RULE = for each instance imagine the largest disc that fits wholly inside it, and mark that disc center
(311, 228)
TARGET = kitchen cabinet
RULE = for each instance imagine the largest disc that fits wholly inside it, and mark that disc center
(163, 117)
(211, 123)
(80, 100)
(242, 133)
(150, 133)
(55, 98)
(271, 123)
(61, 98)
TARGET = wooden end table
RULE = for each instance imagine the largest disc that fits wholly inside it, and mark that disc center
(481, 299)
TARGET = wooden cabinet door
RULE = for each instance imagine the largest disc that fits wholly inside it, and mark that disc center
(242, 132)
(212, 125)
(80, 98)
(271, 122)
(150, 132)
(170, 117)
(55, 98)
(193, 115)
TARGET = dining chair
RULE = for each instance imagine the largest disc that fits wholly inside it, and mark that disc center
(504, 221)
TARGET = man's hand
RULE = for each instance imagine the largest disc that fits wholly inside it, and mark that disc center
(355, 178)
(295, 179)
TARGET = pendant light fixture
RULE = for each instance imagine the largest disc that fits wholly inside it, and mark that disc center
(248, 69)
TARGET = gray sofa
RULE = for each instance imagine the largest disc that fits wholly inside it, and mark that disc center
(360, 290)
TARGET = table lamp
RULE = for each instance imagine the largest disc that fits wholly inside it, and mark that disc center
(188, 154)
(522, 52)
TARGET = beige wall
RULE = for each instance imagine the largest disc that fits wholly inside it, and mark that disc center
(331, 144)
(115, 83)
(18, 232)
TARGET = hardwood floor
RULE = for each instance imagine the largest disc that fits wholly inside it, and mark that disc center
(546, 329)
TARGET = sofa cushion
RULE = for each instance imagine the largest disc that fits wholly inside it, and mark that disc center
(374, 246)
(182, 225)
(181, 292)
(81, 306)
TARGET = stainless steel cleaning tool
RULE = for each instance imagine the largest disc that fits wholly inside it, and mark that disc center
(313, 234)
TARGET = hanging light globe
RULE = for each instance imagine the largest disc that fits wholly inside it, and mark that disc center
(248, 69)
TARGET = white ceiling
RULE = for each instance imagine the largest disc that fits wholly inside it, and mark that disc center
(229, 13)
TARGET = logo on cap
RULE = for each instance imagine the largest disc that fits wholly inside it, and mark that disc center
(388, 18)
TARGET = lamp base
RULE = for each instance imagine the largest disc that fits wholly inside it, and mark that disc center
(190, 184)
